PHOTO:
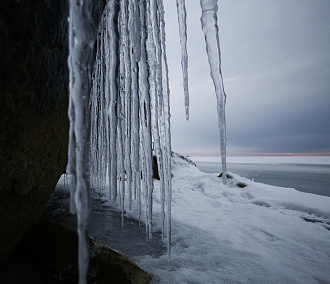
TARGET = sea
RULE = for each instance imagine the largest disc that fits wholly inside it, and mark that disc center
(304, 173)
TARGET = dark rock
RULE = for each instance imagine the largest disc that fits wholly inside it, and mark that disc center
(155, 168)
(227, 175)
(33, 110)
(108, 264)
(186, 159)
(241, 184)
(57, 248)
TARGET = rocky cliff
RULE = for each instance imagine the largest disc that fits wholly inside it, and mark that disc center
(33, 110)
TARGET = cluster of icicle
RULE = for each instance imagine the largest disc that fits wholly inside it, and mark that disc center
(130, 109)
(120, 116)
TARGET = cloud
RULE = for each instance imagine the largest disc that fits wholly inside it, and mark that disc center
(276, 67)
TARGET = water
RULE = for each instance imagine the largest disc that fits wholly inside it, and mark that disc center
(311, 178)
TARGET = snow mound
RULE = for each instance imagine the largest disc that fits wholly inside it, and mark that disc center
(228, 234)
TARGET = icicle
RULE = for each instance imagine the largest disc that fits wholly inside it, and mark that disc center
(146, 118)
(112, 75)
(155, 86)
(182, 15)
(211, 32)
(82, 37)
(128, 98)
(71, 166)
(135, 139)
(166, 132)
(125, 103)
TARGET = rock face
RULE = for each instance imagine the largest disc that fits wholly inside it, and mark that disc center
(56, 247)
(33, 110)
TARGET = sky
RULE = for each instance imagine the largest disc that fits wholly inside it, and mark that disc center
(276, 67)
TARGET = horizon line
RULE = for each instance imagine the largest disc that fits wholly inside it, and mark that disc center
(261, 154)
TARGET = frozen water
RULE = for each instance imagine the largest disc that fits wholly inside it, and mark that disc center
(129, 103)
(182, 16)
(210, 28)
(81, 39)
(130, 108)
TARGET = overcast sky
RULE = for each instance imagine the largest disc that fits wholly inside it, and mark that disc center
(276, 69)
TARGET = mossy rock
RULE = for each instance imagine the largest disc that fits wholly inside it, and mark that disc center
(56, 247)
(109, 266)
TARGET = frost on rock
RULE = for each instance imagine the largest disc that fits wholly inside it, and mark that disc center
(209, 21)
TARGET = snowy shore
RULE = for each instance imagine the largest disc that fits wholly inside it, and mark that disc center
(225, 234)
(256, 234)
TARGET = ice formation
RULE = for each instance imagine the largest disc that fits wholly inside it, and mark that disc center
(130, 109)
(120, 119)
(81, 41)
(209, 21)
(182, 16)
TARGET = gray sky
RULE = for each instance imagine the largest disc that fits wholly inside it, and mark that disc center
(276, 69)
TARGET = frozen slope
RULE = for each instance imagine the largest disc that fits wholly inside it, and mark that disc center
(227, 234)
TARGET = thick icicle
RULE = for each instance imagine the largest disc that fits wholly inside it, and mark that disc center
(134, 40)
(112, 76)
(166, 133)
(182, 16)
(128, 99)
(71, 166)
(82, 37)
(210, 28)
(146, 121)
(153, 49)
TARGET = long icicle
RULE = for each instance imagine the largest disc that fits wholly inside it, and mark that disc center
(128, 100)
(209, 21)
(154, 52)
(82, 37)
(166, 131)
(112, 75)
(135, 139)
(182, 19)
(146, 120)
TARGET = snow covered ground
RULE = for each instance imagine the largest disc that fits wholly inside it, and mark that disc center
(228, 234)
(225, 234)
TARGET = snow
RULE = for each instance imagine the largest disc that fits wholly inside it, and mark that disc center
(226, 234)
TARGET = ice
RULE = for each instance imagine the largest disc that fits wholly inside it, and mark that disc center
(135, 135)
(222, 235)
(129, 95)
(81, 41)
(166, 196)
(209, 21)
(182, 15)
(129, 105)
